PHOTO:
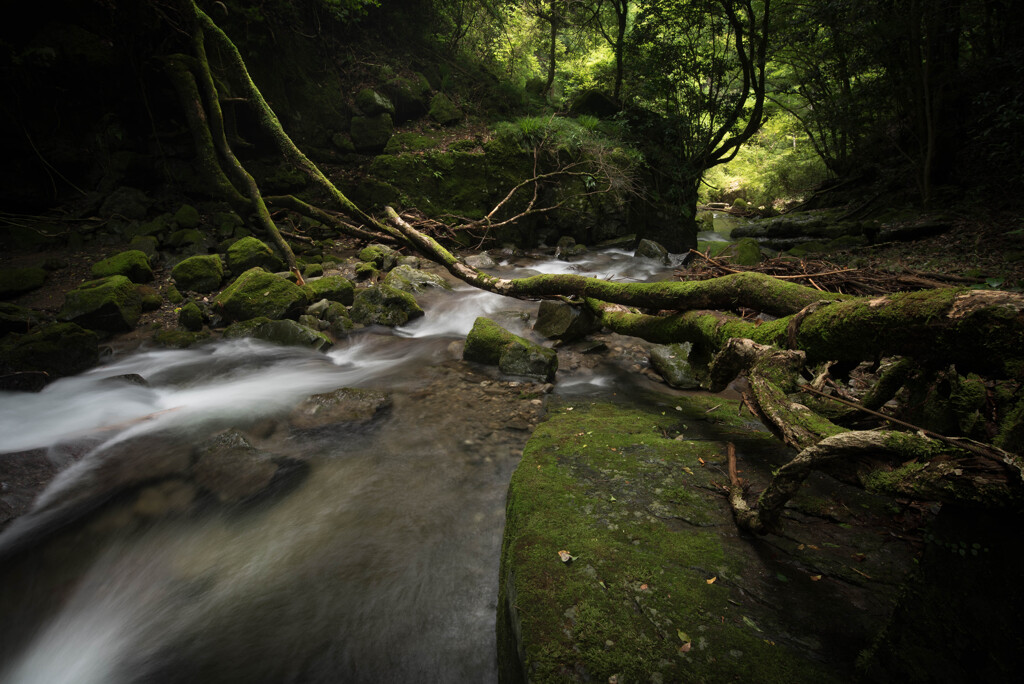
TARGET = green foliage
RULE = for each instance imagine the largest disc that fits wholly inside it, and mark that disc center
(779, 163)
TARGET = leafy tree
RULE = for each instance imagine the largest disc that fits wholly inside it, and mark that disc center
(698, 69)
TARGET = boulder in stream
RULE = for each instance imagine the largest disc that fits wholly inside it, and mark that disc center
(257, 293)
(649, 249)
(409, 279)
(332, 288)
(490, 344)
(285, 332)
(384, 305)
(559, 320)
(57, 349)
(345, 405)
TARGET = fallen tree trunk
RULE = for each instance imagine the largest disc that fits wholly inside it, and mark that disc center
(977, 331)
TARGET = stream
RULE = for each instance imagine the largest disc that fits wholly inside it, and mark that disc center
(379, 564)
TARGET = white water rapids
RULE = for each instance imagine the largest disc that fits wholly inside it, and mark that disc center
(381, 566)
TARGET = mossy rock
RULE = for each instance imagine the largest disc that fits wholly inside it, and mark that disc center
(384, 305)
(332, 288)
(158, 227)
(147, 244)
(18, 319)
(283, 332)
(250, 252)
(191, 317)
(747, 252)
(655, 584)
(112, 304)
(444, 111)
(180, 339)
(58, 349)
(187, 216)
(312, 270)
(649, 249)
(381, 256)
(257, 293)
(411, 96)
(672, 362)
(17, 281)
(558, 320)
(366, 271)
(372, 103)
(490, 344)
(409, 142)
(371, 133)
(133, 264)
(187, 239)
(409, 279)
(200, 273)
(151, 299)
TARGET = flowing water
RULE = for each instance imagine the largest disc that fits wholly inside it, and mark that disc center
(381, 564)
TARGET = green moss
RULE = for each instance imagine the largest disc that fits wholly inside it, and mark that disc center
(187, 216)
(384, 305)
(332, 288)
(191, 317)
(133, 264)
(257, 293)
(179, 339)
(113, 304)
(200, 273)
(250, 252)
(58, 349)
(610, 485)
(409, 142)
(16, 281)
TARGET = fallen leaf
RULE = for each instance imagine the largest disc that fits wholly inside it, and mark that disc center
(750, 623)
(688, 471)
(679, 408)
(712, 580)
(801, 547)
(643, 587)
(815, 578)
(701, 460)
(682, 636)
(569, 408)
(685, 648)
(566, 557)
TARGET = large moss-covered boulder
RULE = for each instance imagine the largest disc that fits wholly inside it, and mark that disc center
(284, 332)
(444, 111)
(409, 279)
(190, 317)
(257, 293)
(18, 319)
(200, 273)
(649, 249)
(371, 133)
(672, 362)
(112, 304)
(621, 563)
(384, 305)
(490, 344)
(250, 252)
(187, 216)
(562, 321)
(57, 349)
(16, 281)
(133, 264)
(332, 288)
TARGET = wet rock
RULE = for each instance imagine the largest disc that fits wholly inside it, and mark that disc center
(490, 344)
(563, 321)
(16, 281)
(384, 305)
(187, 216)
(381, 256)
(232, 469)
(345, 405)
(151, 299)
(409, 279)
(649, 249)
(567, 248)
(179, 339)
(112, 304)
(411, 96)
(284, 332)
(482, 260)
(250, 252)
(200, 273)
(672, 363)
(257, 293)
(332, 288)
